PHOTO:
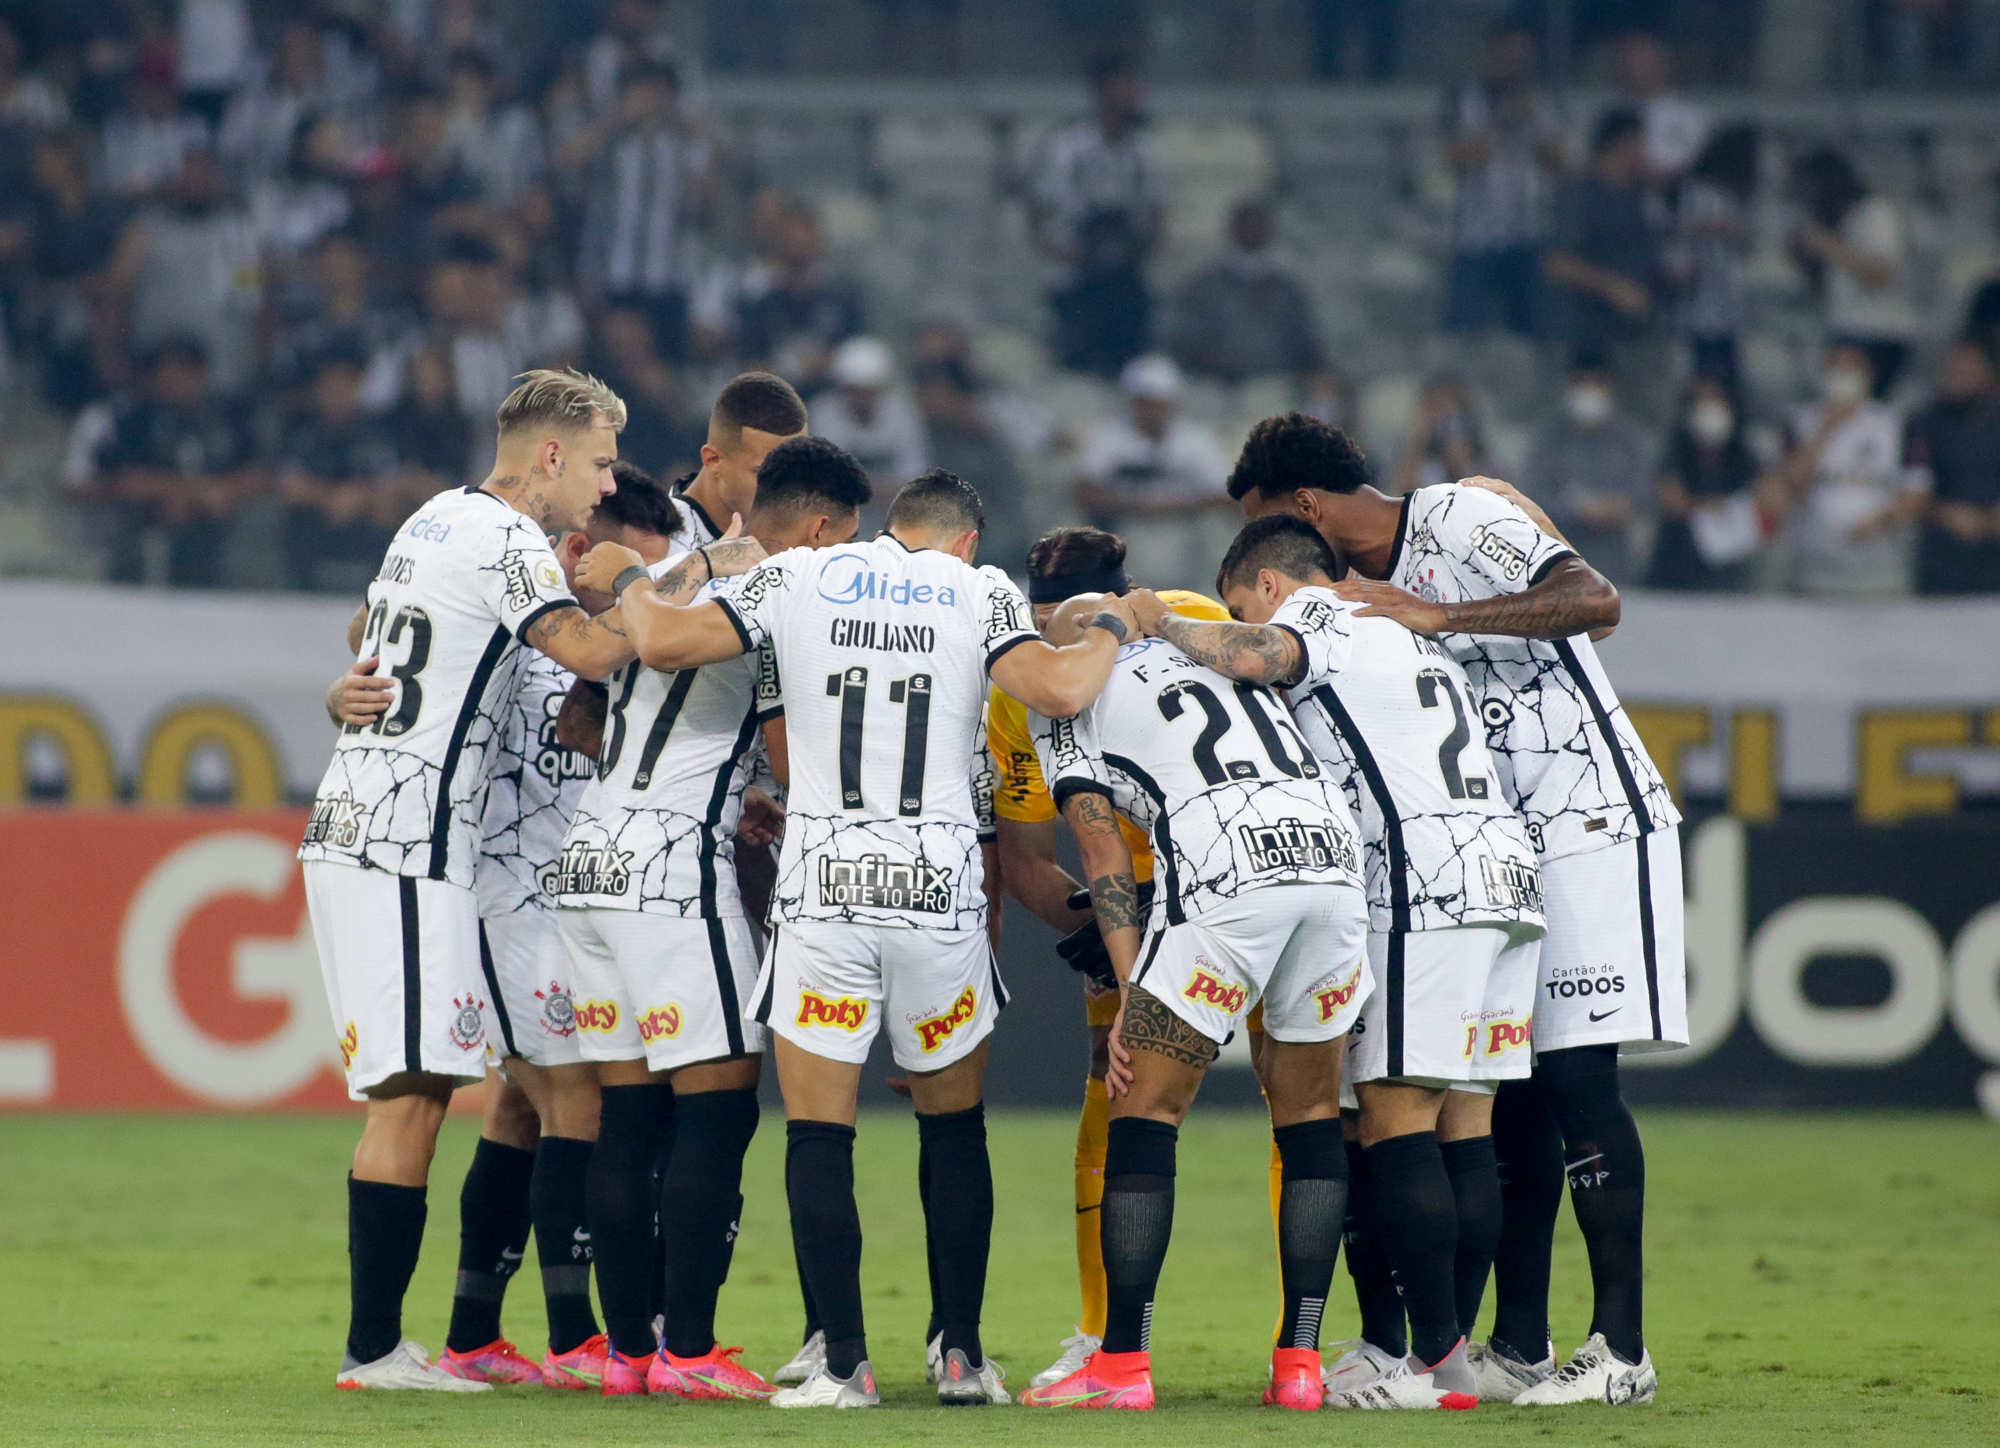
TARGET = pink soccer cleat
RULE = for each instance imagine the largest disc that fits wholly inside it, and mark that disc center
(625, 1376)
(716, 1374)
(1106, 1380)
(581, 1368)
(1295, 1381)
(498, 1362)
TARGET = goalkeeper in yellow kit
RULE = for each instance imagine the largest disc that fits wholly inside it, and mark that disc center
(1063, 563)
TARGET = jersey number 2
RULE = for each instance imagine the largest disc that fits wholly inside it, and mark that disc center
(914, 694)
(1430, 684)
(1270, 733)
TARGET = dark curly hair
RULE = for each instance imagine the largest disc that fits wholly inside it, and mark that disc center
(803, 472)
(1293, 451)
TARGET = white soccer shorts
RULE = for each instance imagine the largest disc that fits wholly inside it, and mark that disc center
(1450, 1007)
(829, 987)
(1297, 948)
(1613, 968)
(530, 1012)
(674, 989)
(401, 961)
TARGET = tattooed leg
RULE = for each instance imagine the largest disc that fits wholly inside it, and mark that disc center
(1169, 1059)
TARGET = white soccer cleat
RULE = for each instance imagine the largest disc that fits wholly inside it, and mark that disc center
(406, 1367)
(1360, 1364)
(934, 1360)
(1595, 1375)
(1401, 1388)
(1501, 1377)
(959, 1386)
(824, 1390)
(1076, 1352)
(809, 1359)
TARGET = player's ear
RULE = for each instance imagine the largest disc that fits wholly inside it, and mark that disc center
(710, 454)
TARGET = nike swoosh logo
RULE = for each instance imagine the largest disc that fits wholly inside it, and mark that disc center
(1081, 1210)
(1573, 1165)
(581, 1235)
(1598, 1016)
(508, 1254)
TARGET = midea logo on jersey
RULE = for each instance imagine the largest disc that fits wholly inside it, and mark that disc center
(1292, 844)
(875, 882)
(851, 580)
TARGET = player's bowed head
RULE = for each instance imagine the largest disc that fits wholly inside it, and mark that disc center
(558, 440)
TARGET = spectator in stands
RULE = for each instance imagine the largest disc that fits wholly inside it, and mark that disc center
(1956, 442)
(1675, 127)
(1504, 142)
(211, 53)
(337, 476)
(1095, 208)
(660, 434)
(961, 436)
(790, 317)
(1704, 258)
(73, 292)
(635, 33)
(880, 426)
(334, 304)
(435, 194)
(28, 101)
(192, 268)
(1711, 524)
(1241, 316)
(1604, 258)
(1445, 442)
(1024, 426)
(1852, 502)
(1591, 470)
(1328, 394)
(431, 437)
(293, 210)
(649, 189)
(1152, 476)
(258, 127)
(145, 144)
(176, 465)
(498, 145)
(1852, 247)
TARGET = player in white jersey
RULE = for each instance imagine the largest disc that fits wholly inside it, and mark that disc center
(1258, 901)
(883, 650)
(665, 959)
(1455, 929)
(1513, 603)
(754, 412)
(394, 836)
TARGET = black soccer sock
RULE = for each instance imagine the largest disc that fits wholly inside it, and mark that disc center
(1420, 1229)
(826, 1234)
(656, 1289)
(492, 1236)
(562, 1238)
(958, 1217)
(1312, 1209)
(701, 1202)
(813, 1323)
(1368, 1260)
(1606, 1167)
(1528, 1147)
(936, 1323)
(1475, 1185)
(620, 1202)
(385, 1231)
(1138, 1222)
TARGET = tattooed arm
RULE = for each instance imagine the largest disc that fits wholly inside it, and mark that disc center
(588, 647)
(1254, 653)
(1107, 865)
(1572, 598)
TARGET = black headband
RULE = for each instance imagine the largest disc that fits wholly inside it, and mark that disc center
(1059, 586)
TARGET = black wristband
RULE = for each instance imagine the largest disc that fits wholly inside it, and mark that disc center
(1111, 623)
(626, 578)
(707, 562)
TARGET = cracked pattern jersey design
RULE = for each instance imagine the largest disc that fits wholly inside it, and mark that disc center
(1568, 757)
(461, 583)
(656, 829)
(1392, 716)
(882, 652)
(535, 788)
(1213, 770)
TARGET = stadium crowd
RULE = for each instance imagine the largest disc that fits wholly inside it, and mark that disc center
(272, 258)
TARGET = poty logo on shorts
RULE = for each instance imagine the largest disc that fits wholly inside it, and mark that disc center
(660, 1023)
(1513, 562)
(1507, 1036)
(875, 882)
(1292, 844)
(558, 1010)
(467, 1031)
(843, 1012)
(936, 1030)
(350, 1043)
(597, 1016)
(1214, 991)
(1336, 999)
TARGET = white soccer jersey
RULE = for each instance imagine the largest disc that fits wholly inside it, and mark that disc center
(1392, 716)
(536, 784)
(882, 652)
(697, 528)
(656, 829)
(462, 581)
(1213, 770)
(1568, 757)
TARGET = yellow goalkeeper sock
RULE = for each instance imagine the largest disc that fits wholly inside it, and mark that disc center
(1277, 1194)
(1093, 1128)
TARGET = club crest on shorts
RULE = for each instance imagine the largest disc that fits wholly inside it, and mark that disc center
(350, 1045)
(467, 1031)
(558, 1010)
(1209, 989)
(660, 1023)
(934, 1031)
(599, 1016)
(842, 1012)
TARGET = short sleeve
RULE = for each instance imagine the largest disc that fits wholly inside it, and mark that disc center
(1489, 536)
(1071, 760)
(1326, 638)
(1009, 620)
(756, 601)
(524, 581)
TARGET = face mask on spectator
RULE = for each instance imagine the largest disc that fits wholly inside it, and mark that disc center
(1844, 385)
(1588, 404)
(1710, 422)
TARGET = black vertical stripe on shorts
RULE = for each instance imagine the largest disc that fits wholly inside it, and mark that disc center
(1378, 786)
(493, 989)
(1647, 944)
(763, 1011)
(718, 938)
(1395, 1011)
(468, 710)
(413, 975)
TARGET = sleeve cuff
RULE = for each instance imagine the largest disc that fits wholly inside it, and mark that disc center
(736, 622)
(1542, 568)
(1300, 672)
(521, 628)
(765, 716)
(1001, 649)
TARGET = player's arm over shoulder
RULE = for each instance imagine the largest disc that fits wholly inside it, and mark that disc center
(1054, 680)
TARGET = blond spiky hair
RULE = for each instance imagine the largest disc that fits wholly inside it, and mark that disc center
(566, 399)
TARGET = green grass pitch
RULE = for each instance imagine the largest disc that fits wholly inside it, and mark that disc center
(173, 1280)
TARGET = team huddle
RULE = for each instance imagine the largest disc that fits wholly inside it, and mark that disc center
(631, 779)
